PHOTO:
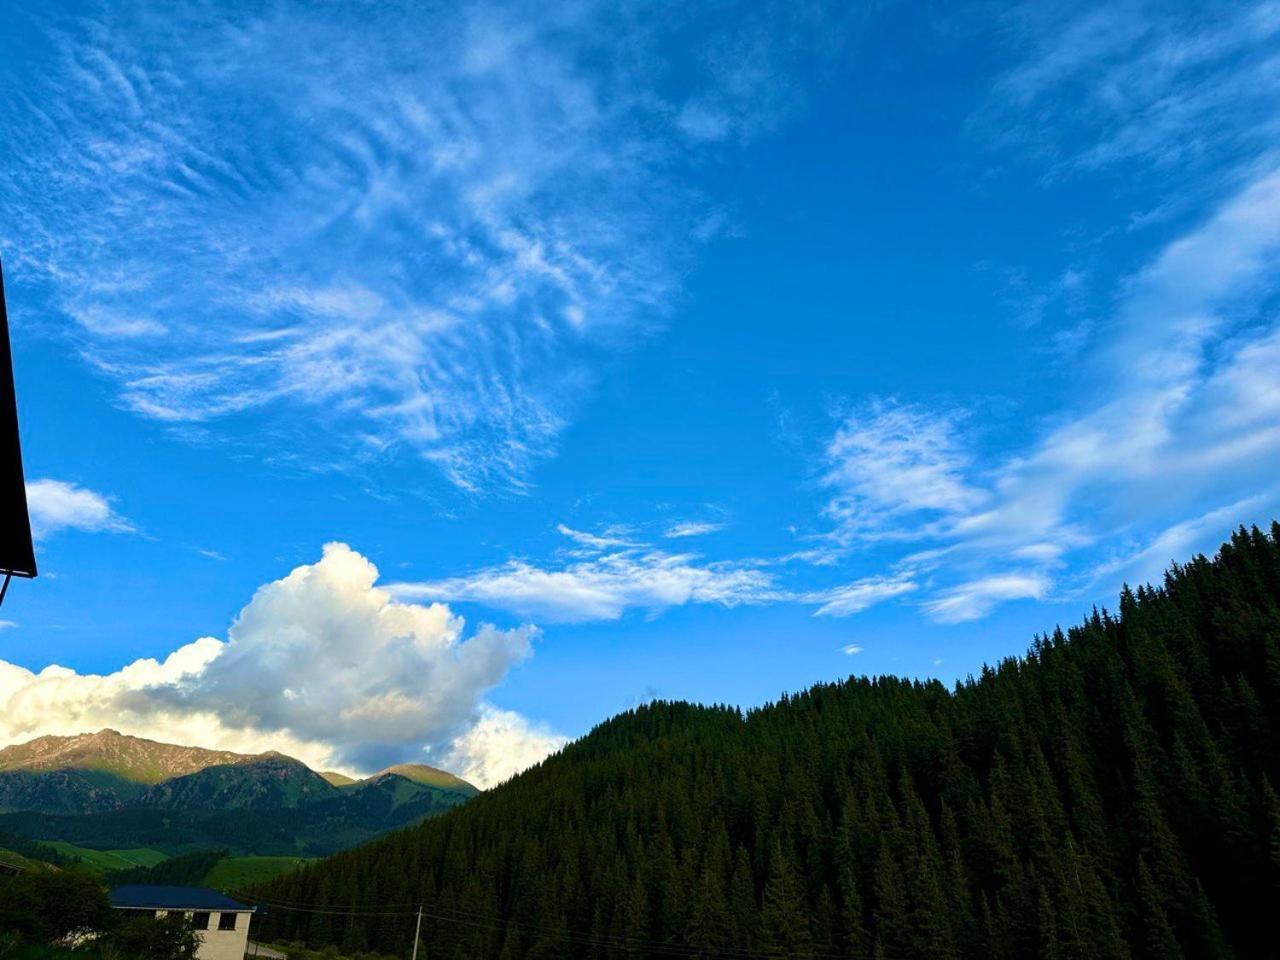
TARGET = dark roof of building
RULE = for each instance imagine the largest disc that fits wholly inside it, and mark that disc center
(148, 897)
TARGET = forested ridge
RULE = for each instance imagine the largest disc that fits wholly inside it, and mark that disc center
(271, 807)
(1110, 794)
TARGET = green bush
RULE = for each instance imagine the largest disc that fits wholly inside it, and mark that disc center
(46, 906)
(147, 938)
(296, 950)
(41, 911)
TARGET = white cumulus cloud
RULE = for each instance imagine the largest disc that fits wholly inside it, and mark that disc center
(57, 505)
(500, 745)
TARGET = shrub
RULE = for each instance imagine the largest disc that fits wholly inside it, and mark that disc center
(46, 906)
(149, 938)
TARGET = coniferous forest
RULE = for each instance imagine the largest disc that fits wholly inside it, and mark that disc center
(1113, 793)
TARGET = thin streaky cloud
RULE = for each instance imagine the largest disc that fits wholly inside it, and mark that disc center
(609, 539)
(692, 528)
(605, 587)
(974, 599)
(602, 583)
(861, 594)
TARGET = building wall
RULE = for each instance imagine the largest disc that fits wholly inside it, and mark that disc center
(218, 944)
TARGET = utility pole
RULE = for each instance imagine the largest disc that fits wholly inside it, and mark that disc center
(417, 930)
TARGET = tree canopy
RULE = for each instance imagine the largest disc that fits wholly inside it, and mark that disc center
(1112, 793)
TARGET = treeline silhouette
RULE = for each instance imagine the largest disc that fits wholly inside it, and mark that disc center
(184, 870)
(1110, 794)
(31, 849)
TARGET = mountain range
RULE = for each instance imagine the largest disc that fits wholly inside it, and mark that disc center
(107, 789)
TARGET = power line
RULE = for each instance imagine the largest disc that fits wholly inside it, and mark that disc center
(495, 923)
(346, 909)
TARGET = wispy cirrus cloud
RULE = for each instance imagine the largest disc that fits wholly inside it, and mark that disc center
(974, 599)
(604, 578)
(1186, 412)
(605, 575)
(1147, 559)
(605, 587)
(692, 528)
(855, 597)
(1160, 86)
(423, 231)
(1175, 433)
(891, 465)
(611, 537)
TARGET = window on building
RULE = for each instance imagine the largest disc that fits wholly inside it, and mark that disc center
(227, 921)
(200, 921)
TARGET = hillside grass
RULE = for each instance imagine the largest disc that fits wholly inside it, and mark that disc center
(117, 859)
(16, 859)
(232, 873)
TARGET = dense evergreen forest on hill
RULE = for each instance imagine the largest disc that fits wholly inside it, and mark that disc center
(1110, 794)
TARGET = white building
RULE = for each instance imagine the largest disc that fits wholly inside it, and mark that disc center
(221, 924)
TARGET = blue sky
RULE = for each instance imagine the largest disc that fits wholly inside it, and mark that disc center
(644, 352)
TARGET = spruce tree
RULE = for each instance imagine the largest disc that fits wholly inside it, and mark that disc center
(784, 916)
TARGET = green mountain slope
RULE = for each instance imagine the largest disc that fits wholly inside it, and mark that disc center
(248, 816)
(103, 771)
(272, 780)
(1110, 794)
(110, 791)
(96, 772)
(65, 791)
(429, 776)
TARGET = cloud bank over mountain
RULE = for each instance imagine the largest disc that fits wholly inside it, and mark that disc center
(321, 664)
